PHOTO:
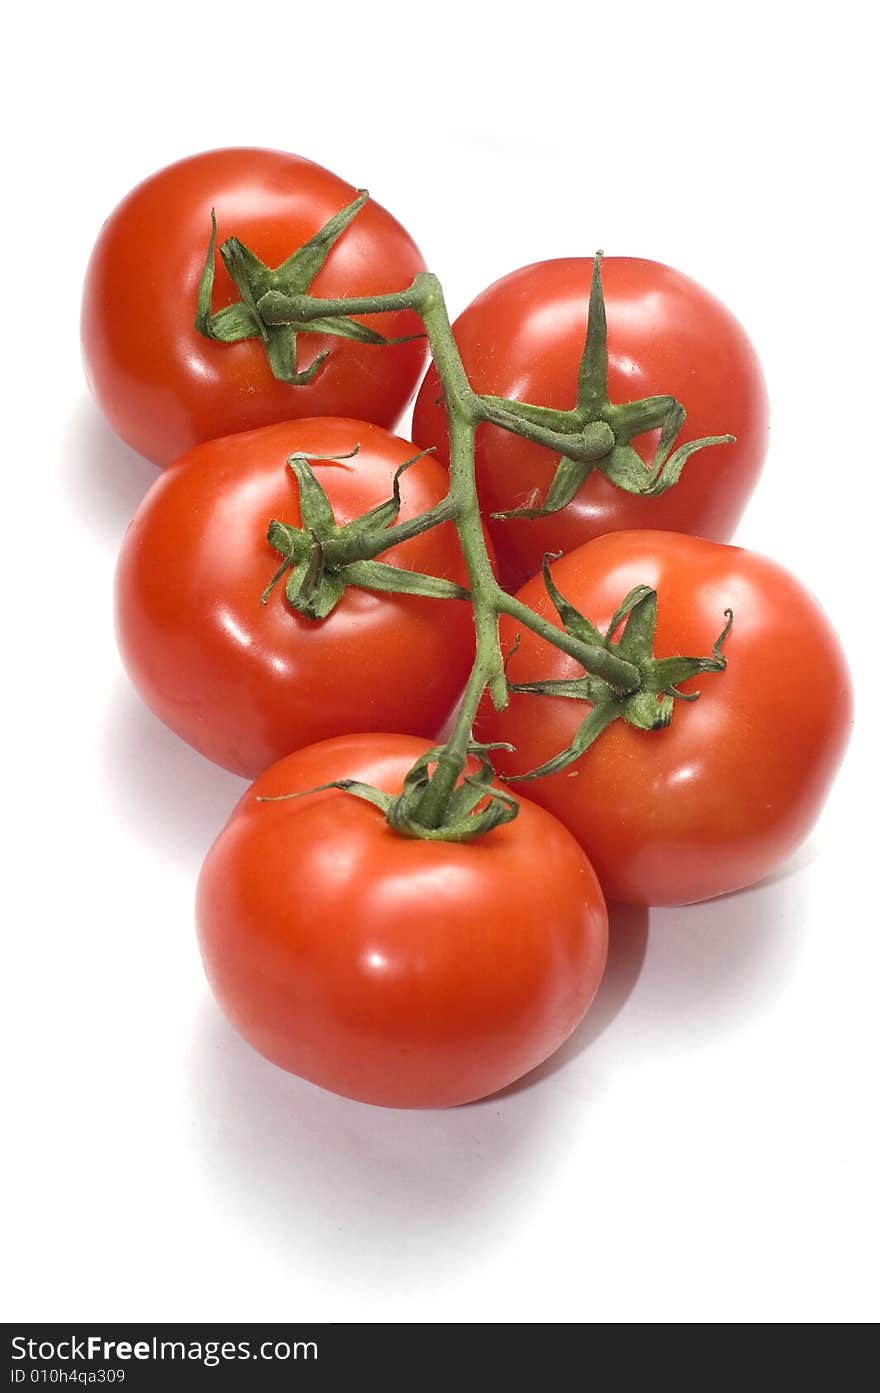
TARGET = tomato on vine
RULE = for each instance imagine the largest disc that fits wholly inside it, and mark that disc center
(166, 382)
(404, 972)
(252, 614)
(725, 787)
(667, 337)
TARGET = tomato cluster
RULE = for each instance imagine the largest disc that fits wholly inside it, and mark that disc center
(308, 599)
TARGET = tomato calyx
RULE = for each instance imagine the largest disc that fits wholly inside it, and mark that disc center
(650, 706)
(323, 557)
(596, 433)
(473, 809)
(260, 285)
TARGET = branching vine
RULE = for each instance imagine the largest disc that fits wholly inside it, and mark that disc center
(622, 678)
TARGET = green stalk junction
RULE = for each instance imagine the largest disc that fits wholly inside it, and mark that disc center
(622, 678)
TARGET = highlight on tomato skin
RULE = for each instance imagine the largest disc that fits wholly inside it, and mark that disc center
(735, 783)
(667, 336)
(163, 386)
(246, 682)
(399, 972)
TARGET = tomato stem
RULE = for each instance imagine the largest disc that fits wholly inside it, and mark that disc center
(465, 410)
(594, 433)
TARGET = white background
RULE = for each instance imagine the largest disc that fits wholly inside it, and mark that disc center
(706, 1146)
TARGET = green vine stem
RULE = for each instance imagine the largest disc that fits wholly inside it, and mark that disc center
(466, 409)
(595, 431)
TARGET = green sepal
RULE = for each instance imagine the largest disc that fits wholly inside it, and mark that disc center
(667, 474)
(367, 792)
(587, 688)
(291, 542)
(204, 319)
(547, 417)
(632, 418)
(388, 511)
(281, 355)
(248, 274)
(235, 323)
(639, 609)
(567, 482)
(342, 328)
(314, 505)
(293, 587)
(593, 370)
(600, 717)
(301, 268)
(625, 468)
(645, 712)
(665, 674)
(465, 820)
(650, 707)
(574, 623)
(317, 553)
(293, 546)
(313, 591)
(395, 580)
(260, 287)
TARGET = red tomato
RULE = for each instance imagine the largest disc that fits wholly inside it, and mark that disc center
(721, 796)
(523, 339)
(411, 974)
(163, 386)
(245, 682)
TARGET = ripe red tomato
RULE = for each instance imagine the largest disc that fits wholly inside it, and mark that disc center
(412, 974)
(523, 339)
(245, 682)
(163, 386)
(730, 788)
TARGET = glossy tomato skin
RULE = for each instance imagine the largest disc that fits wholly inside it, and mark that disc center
(406, 973)
(163, 386)
(246, 683)
(724, 794)
(523, 339)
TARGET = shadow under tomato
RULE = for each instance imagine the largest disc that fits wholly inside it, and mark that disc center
(392, 1197)
(105, 479)
(702, 970)
(172, 799)
(711, 967)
